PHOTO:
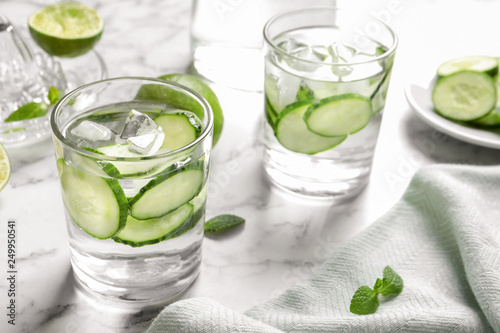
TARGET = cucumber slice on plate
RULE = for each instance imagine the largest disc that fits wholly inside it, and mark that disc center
(178, 129)
(293, 134)
(97, 205)
(339, 115)
(464, 96)
(146, 232)
(483, 64)
(167, 192)
(492, 119)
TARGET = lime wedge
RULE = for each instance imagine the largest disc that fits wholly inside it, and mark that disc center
(4, 167)
(66, 29)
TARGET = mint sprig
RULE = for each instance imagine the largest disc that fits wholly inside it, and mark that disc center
(304, 93)
(366, 300)
(34, 109)
(28, 111)
(222, 223)
(53, 95)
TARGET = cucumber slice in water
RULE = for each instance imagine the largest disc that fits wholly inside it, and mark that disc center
(168, 192)
(97, 205)
(178, 130)
(339, 115)
(272, 92)
(293, 134)
(483, 64)
(146, 232)
(271, 116)
(128, 169)
(464, 96)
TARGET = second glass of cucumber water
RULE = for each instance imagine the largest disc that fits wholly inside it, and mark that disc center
(327, 73)
(133, 158)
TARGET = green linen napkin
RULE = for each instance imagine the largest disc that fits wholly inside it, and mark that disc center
(442, 237)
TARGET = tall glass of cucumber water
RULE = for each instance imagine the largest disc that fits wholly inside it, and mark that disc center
(327, 73)
(133, 158)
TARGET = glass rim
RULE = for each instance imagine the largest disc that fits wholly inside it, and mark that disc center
(204, 134)
(384, 55)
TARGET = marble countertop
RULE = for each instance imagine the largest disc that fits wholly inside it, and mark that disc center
(285, 238)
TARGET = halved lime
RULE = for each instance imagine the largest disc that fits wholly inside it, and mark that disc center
(4, 167)
(66, 29)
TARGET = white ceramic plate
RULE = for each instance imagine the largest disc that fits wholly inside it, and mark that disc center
(420, 99)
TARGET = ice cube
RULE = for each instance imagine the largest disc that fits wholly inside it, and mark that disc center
(89, 133)
(308, 53)
(146, 144)
(341, 54)
(290, 45)
(137, 124)
(321, 52)
(143, 135)
(305, 53)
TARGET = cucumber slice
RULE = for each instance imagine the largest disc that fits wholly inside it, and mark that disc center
(272, 92)
(95, 166)
(189, 224)
(339, 115)
(492, 119)
(178, 129)
(129, 169)
(464, 96)
(380, 94)
(293, 134)
(483, 64)
(145, 232)
(167, 192)
(271, 115)
(97, 205)
(200, 199)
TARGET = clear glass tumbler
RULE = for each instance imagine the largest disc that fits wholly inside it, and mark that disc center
(133, 158)
(327, 73)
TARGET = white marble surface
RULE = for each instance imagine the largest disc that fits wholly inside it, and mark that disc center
(285, 238)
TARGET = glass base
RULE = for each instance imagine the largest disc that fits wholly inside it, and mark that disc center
(317, 178)
(152, 274)
(142, 289)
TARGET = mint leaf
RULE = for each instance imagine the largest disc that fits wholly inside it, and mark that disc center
(392, 282)
(365, 301)
(53, 95)
(222, 223)
(378, 285)
(304, 93)
(28, 111)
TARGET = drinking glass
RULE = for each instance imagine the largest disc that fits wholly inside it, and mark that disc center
(134, 213)
(327, 72)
